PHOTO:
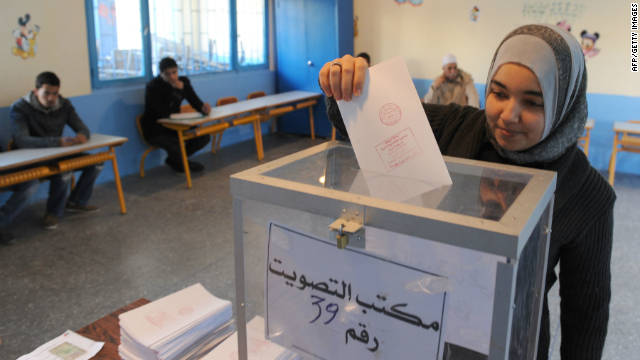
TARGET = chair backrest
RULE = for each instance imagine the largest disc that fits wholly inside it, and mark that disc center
(226, 100)
(10, 145)
(139, 127)
(256, 94)
(187, 108)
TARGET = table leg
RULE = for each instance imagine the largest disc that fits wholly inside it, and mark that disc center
(185, 162)
(333, 133)
(311, 125)
(116, 175)
(257, 135)
(612, 161)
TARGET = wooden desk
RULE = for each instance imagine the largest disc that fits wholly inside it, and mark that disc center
(626, 138)
(107, 329)
(45, 164)
(250, 111)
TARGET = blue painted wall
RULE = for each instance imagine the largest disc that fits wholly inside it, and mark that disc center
(112, 111)
(605, 109)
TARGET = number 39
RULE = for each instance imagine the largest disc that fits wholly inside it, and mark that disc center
(331, 308)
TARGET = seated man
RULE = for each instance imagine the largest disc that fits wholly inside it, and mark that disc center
(38, 120)
(163, 97)
(453, 86)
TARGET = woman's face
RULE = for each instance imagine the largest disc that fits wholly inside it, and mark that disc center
(515, 107)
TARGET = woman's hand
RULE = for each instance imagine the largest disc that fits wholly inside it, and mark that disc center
(343, 78)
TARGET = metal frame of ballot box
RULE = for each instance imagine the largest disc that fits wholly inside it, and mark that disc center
(282, 192)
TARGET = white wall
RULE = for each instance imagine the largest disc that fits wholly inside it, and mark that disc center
(423, 34)
(61, 47)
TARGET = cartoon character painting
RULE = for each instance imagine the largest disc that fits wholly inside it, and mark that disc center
(565, 25)
(588, 43)
(412, 2)
(475, 11)
(25, 38)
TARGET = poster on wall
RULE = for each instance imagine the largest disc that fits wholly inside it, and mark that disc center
(24, 38)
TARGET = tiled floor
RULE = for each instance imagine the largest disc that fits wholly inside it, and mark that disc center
(173, 237)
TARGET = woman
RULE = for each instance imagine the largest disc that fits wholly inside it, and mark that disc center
(535, 111)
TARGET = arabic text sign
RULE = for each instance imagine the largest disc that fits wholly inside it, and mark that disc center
(346, 304)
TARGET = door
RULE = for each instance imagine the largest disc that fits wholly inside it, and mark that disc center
(306, 38)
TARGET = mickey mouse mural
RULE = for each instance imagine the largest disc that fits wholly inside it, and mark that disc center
(25, 38)
(588, 43)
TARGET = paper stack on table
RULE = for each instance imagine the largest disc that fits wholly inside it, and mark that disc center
(66, 346)
(391, 137)
(258, 348)
(183, 325)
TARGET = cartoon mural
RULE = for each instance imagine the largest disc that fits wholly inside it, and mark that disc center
(25, 38)
(564, 25)
(475, 11)
(588, 44)
(412, 2)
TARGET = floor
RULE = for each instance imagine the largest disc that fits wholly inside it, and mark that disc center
(173, 237)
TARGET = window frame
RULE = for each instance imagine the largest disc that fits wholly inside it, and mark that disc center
(97, 83)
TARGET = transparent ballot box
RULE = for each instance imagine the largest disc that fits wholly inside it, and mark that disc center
(337, 272)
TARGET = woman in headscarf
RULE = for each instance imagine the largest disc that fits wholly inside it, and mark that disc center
(535, 111)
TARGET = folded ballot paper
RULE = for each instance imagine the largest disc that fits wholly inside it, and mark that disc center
(184, 325)
(391, 137)
(258, 348)
(67, 346)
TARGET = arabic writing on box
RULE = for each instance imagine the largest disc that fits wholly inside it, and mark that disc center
(343, 290)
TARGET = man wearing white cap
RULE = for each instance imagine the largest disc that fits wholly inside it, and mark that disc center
(453, 86)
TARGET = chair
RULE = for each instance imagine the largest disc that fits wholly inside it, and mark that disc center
(626, 138)
(586, 139)
(217, 138)
(150, 147)
(256, 94)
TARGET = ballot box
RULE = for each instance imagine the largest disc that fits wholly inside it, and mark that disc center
(456, 272)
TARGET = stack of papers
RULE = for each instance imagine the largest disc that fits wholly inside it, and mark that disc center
(258, 348)
(184, 325)
(66, 346)
(186, 116)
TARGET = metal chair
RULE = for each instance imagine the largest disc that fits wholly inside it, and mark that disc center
(217, 138)
(626, 138)
(586, 138)
(150, 147)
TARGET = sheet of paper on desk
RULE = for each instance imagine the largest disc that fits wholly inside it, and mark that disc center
(68, 346)
(391, 136)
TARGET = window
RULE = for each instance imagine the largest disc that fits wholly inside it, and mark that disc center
(127, 38)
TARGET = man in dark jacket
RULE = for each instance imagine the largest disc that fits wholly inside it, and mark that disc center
(163, 97)
(38, 121)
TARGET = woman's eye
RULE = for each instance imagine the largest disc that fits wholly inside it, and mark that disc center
(534, 103)
(499, 94)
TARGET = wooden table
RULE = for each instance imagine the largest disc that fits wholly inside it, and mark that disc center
(38, 163)
(626, 138)
(107, 329)
(251, 111)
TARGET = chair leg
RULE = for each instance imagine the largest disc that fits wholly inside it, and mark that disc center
(333, 133)
(218, 142)
(311, 125)
(213, 143)
(150, 149)
(612, 161)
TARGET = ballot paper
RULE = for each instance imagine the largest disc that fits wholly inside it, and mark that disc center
(68, 346)
(391, 136)
(258, 348)
(182, 325)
